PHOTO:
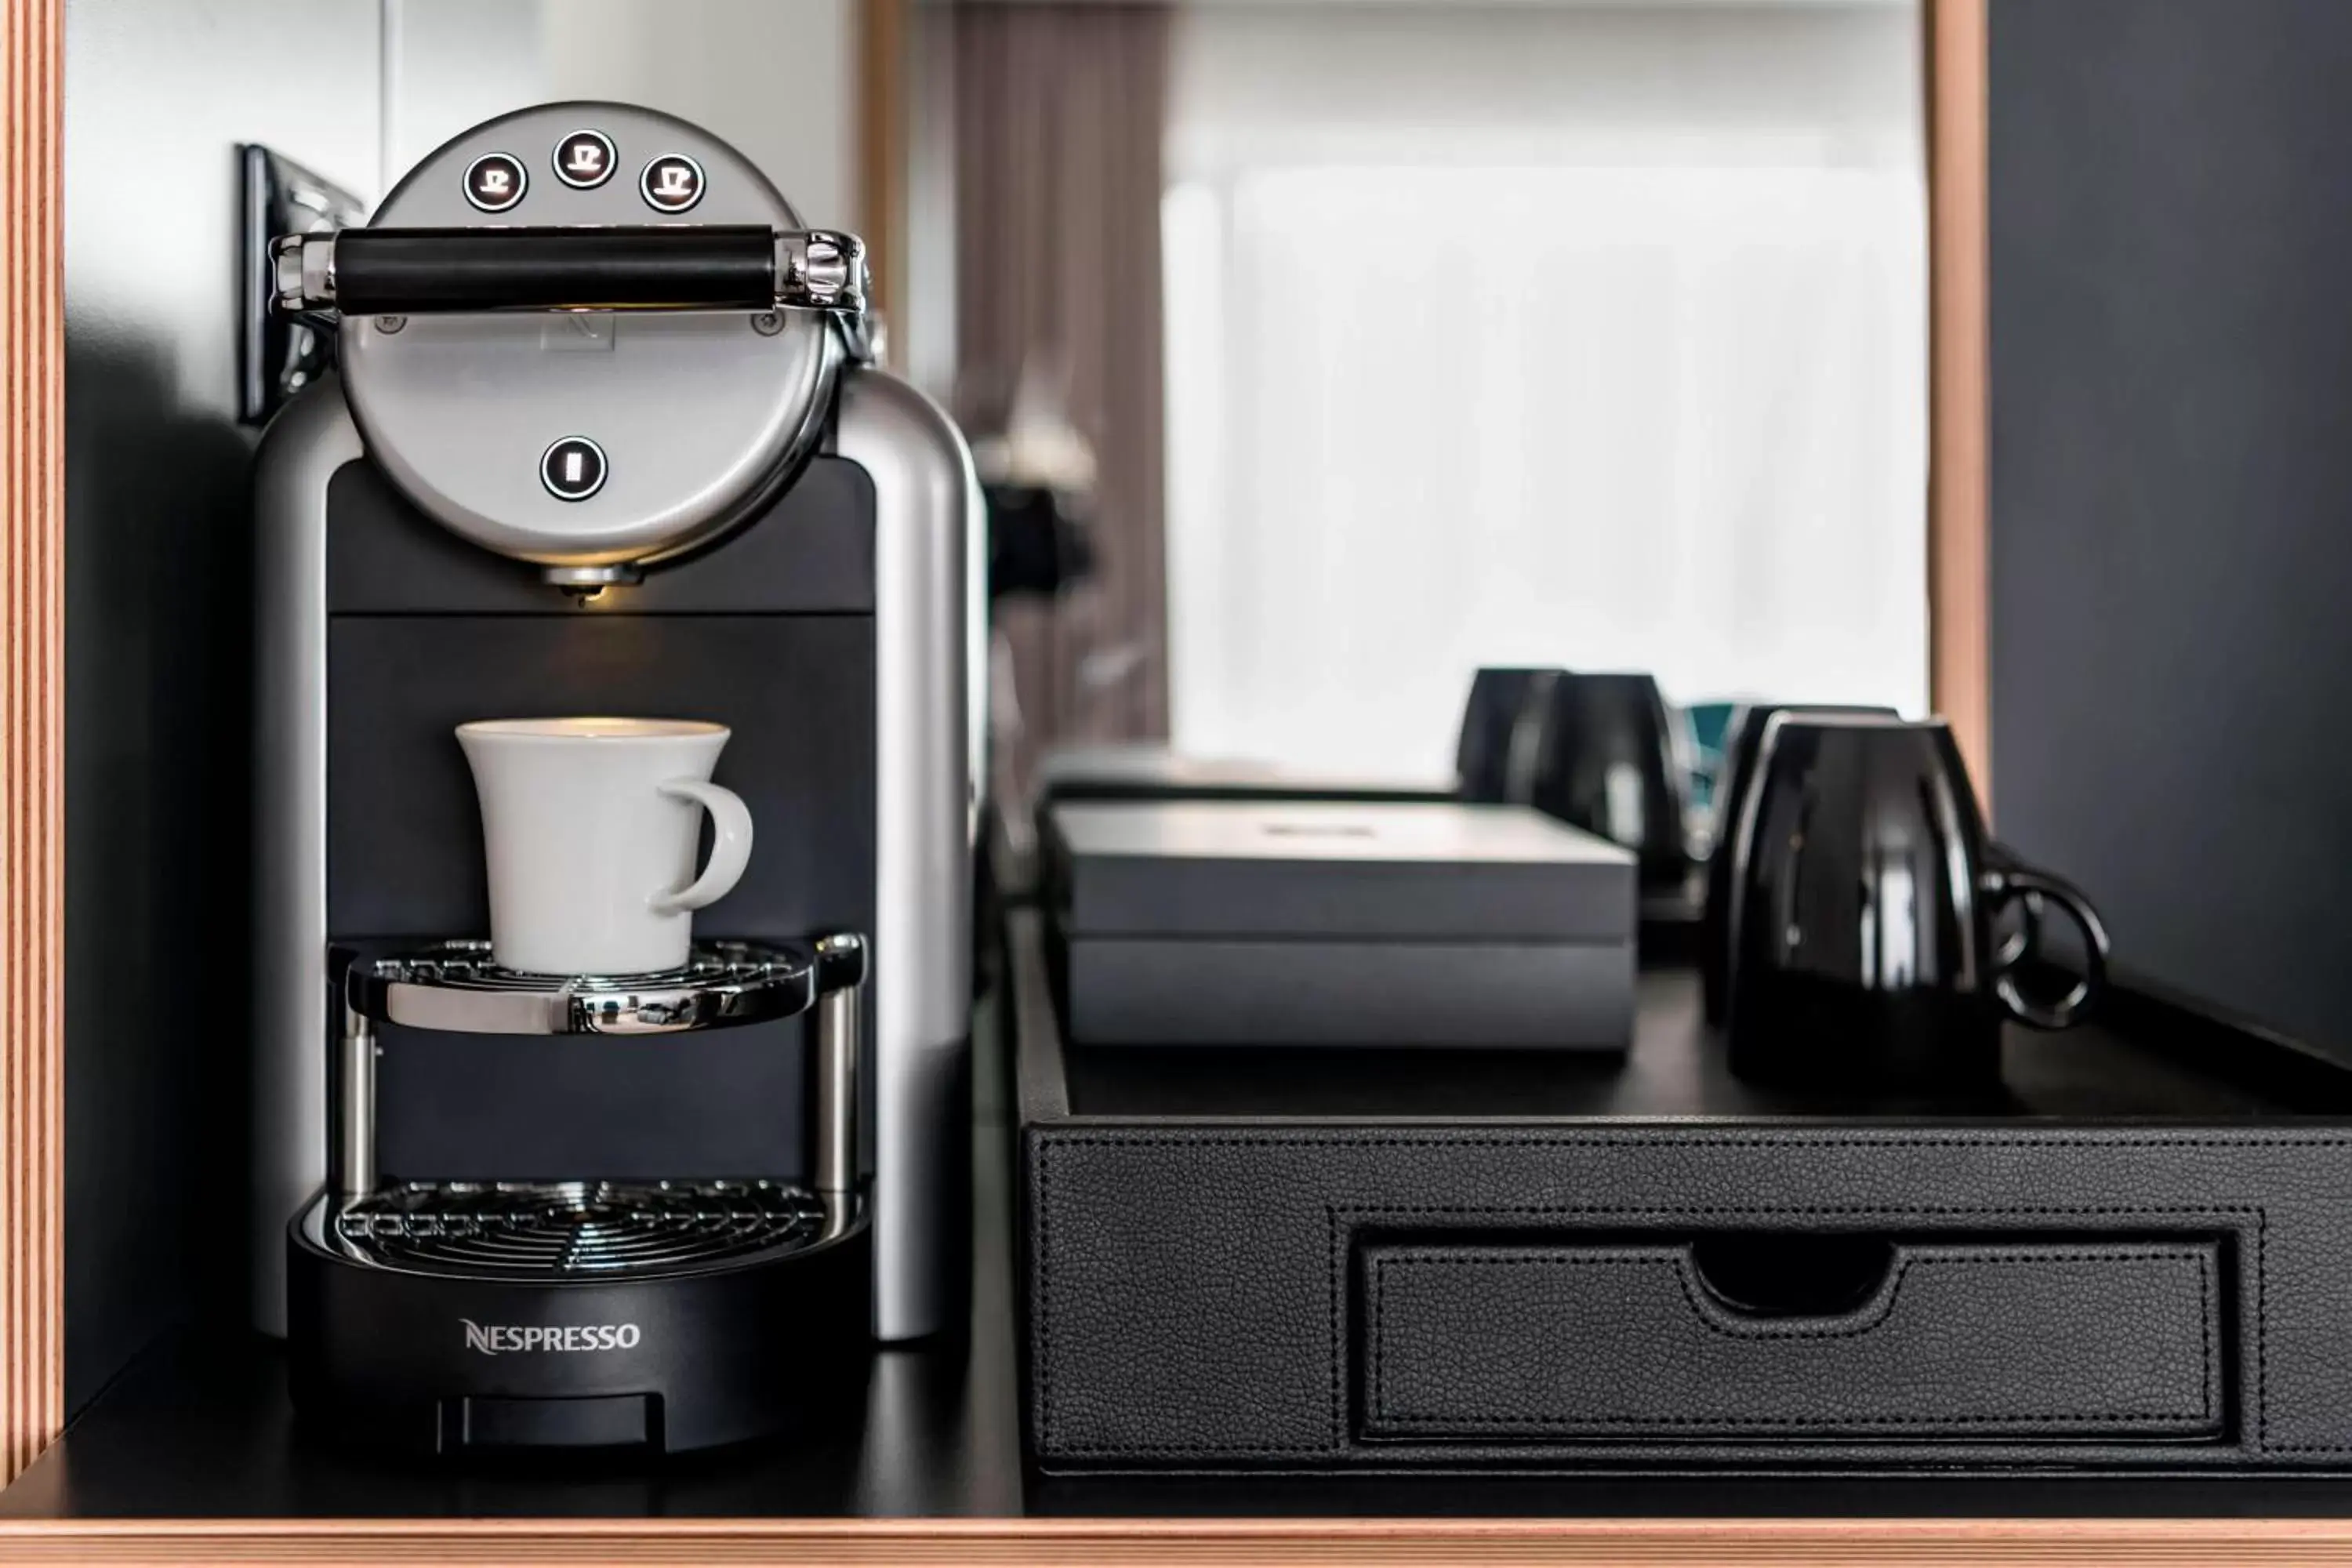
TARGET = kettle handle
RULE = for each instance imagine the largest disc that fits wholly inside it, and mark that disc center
(2005, 883)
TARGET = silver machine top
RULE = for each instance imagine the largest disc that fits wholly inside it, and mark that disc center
(586, 335)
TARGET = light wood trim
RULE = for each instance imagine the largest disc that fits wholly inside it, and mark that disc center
(883, 40)
(32, 766)
(1732, 1544)
(1959, 404)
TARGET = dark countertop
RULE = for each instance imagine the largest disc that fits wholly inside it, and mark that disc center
(201, 1428)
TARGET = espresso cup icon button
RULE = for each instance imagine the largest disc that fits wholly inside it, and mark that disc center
(671, 183)
(495, 182)
(583, 160)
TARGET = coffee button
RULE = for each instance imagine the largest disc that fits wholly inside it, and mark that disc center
(671, 183)
(572, 469)
(583, 160)
(495, 181)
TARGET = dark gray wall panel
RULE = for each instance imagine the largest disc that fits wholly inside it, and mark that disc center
(158, 93)
(2172, 482)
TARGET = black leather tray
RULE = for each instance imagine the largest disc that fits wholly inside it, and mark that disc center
(1312, 1260)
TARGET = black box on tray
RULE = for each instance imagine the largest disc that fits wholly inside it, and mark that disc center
(1147, 770)
(1425, 923)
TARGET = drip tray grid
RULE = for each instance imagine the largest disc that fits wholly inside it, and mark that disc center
(576, 1229)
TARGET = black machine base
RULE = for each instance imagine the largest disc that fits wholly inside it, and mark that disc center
(448, 1355)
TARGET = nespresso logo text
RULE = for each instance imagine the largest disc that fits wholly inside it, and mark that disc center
(498, 1339)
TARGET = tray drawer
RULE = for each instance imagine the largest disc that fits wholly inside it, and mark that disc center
(1962, 1341)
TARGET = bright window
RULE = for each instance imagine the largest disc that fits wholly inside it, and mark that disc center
(1635, 397)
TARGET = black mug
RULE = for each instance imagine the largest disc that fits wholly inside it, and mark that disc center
(1863, 950)
(1743, 739)
(1502, 707)
(1609, 760)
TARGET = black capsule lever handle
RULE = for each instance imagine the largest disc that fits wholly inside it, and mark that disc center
(651, 267)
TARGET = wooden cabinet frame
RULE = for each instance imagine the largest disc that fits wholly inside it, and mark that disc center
(32, 733)
(32, 1080)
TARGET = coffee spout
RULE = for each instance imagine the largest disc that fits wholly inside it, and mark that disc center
(587, 583)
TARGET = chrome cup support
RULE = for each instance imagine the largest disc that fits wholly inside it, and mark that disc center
(455, 986)
(354, 1107)
(841, 989)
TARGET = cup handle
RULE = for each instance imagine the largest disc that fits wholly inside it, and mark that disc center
(2009, 882)
(730, 844)
(2018, 942)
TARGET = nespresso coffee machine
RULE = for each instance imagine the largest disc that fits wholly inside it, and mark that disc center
(606, 439)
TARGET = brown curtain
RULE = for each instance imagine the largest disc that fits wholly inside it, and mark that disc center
(1059, 112)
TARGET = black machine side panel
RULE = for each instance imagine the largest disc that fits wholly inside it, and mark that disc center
(771, 634)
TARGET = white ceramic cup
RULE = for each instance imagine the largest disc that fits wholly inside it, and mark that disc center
(589, 826)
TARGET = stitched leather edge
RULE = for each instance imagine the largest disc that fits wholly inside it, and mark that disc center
(1334, 1213)
(1672, 1261)
(1046, 1139)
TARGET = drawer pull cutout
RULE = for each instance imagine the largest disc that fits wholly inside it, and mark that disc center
(1754, 1274)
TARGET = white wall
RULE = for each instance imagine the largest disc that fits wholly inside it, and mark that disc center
(452, 64)
(1567, 333)
(922, 326)
(776, 78)
(158, 626)
(158, 93)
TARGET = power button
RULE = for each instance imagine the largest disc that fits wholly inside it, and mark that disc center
(574, 468)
